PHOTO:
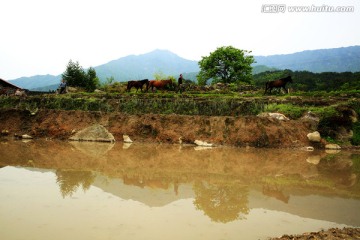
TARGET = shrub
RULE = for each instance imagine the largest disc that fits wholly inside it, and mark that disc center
(356, 137)
(289, 110)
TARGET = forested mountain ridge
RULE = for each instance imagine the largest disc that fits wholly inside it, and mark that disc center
(346, 59)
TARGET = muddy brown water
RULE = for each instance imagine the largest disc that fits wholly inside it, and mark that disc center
(82, 190)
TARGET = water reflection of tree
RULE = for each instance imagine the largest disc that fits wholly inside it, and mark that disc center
(222, 202)
(70, 180)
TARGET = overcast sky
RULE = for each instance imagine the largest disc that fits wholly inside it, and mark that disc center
(41, 36)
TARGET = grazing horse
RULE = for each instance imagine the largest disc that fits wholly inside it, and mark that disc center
(279, 83)
(137, 84)
(160, 84)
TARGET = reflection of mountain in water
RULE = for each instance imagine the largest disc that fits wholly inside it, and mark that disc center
(231, 201)
(309, 204)
(226, 181)
(221, 202)
(152, 197)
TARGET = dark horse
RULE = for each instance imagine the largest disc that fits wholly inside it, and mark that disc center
(279, 83)
(160, 84)
(137, 84)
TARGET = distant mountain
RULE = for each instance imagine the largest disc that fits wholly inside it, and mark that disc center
(262, 68)
(346, 59)
(38, 81)
(123, 69)
(146, 65)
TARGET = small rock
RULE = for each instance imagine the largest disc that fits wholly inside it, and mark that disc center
(98, 91)
(314, 136)
(309, 148)
(332, 146)
(127, 139)
(278, 116)
(203, 144)
(25, 136)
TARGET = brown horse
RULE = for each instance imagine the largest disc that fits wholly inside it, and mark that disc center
(160, 84)
(279, 83)
(137, 84)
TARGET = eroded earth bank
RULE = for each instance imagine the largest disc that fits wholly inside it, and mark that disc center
(251, 131)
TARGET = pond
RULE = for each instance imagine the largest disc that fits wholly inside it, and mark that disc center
(83, 190)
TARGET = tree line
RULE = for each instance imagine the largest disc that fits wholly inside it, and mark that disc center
(305, 81)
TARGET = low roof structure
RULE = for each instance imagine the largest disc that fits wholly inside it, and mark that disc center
(7, 84)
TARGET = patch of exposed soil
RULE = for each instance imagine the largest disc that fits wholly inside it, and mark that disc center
(222, 130)
(330, 234)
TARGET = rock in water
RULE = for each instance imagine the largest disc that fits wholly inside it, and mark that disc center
(25, 136)
(332, 146)
(97, 133)
(203, 144)
(127, 139)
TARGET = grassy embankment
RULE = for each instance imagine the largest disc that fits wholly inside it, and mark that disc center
(213, 103)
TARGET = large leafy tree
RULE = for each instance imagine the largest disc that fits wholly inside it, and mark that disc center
(76, 76)
(226, 65)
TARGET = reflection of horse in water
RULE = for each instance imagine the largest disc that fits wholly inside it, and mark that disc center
(279, 83)
(137, 84)
(160, 84)
(275, 192)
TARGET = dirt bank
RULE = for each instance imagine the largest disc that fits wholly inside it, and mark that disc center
(225, 130)
(330, 234)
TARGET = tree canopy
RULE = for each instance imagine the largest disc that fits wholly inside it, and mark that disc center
(76, 76)
(226, 65)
